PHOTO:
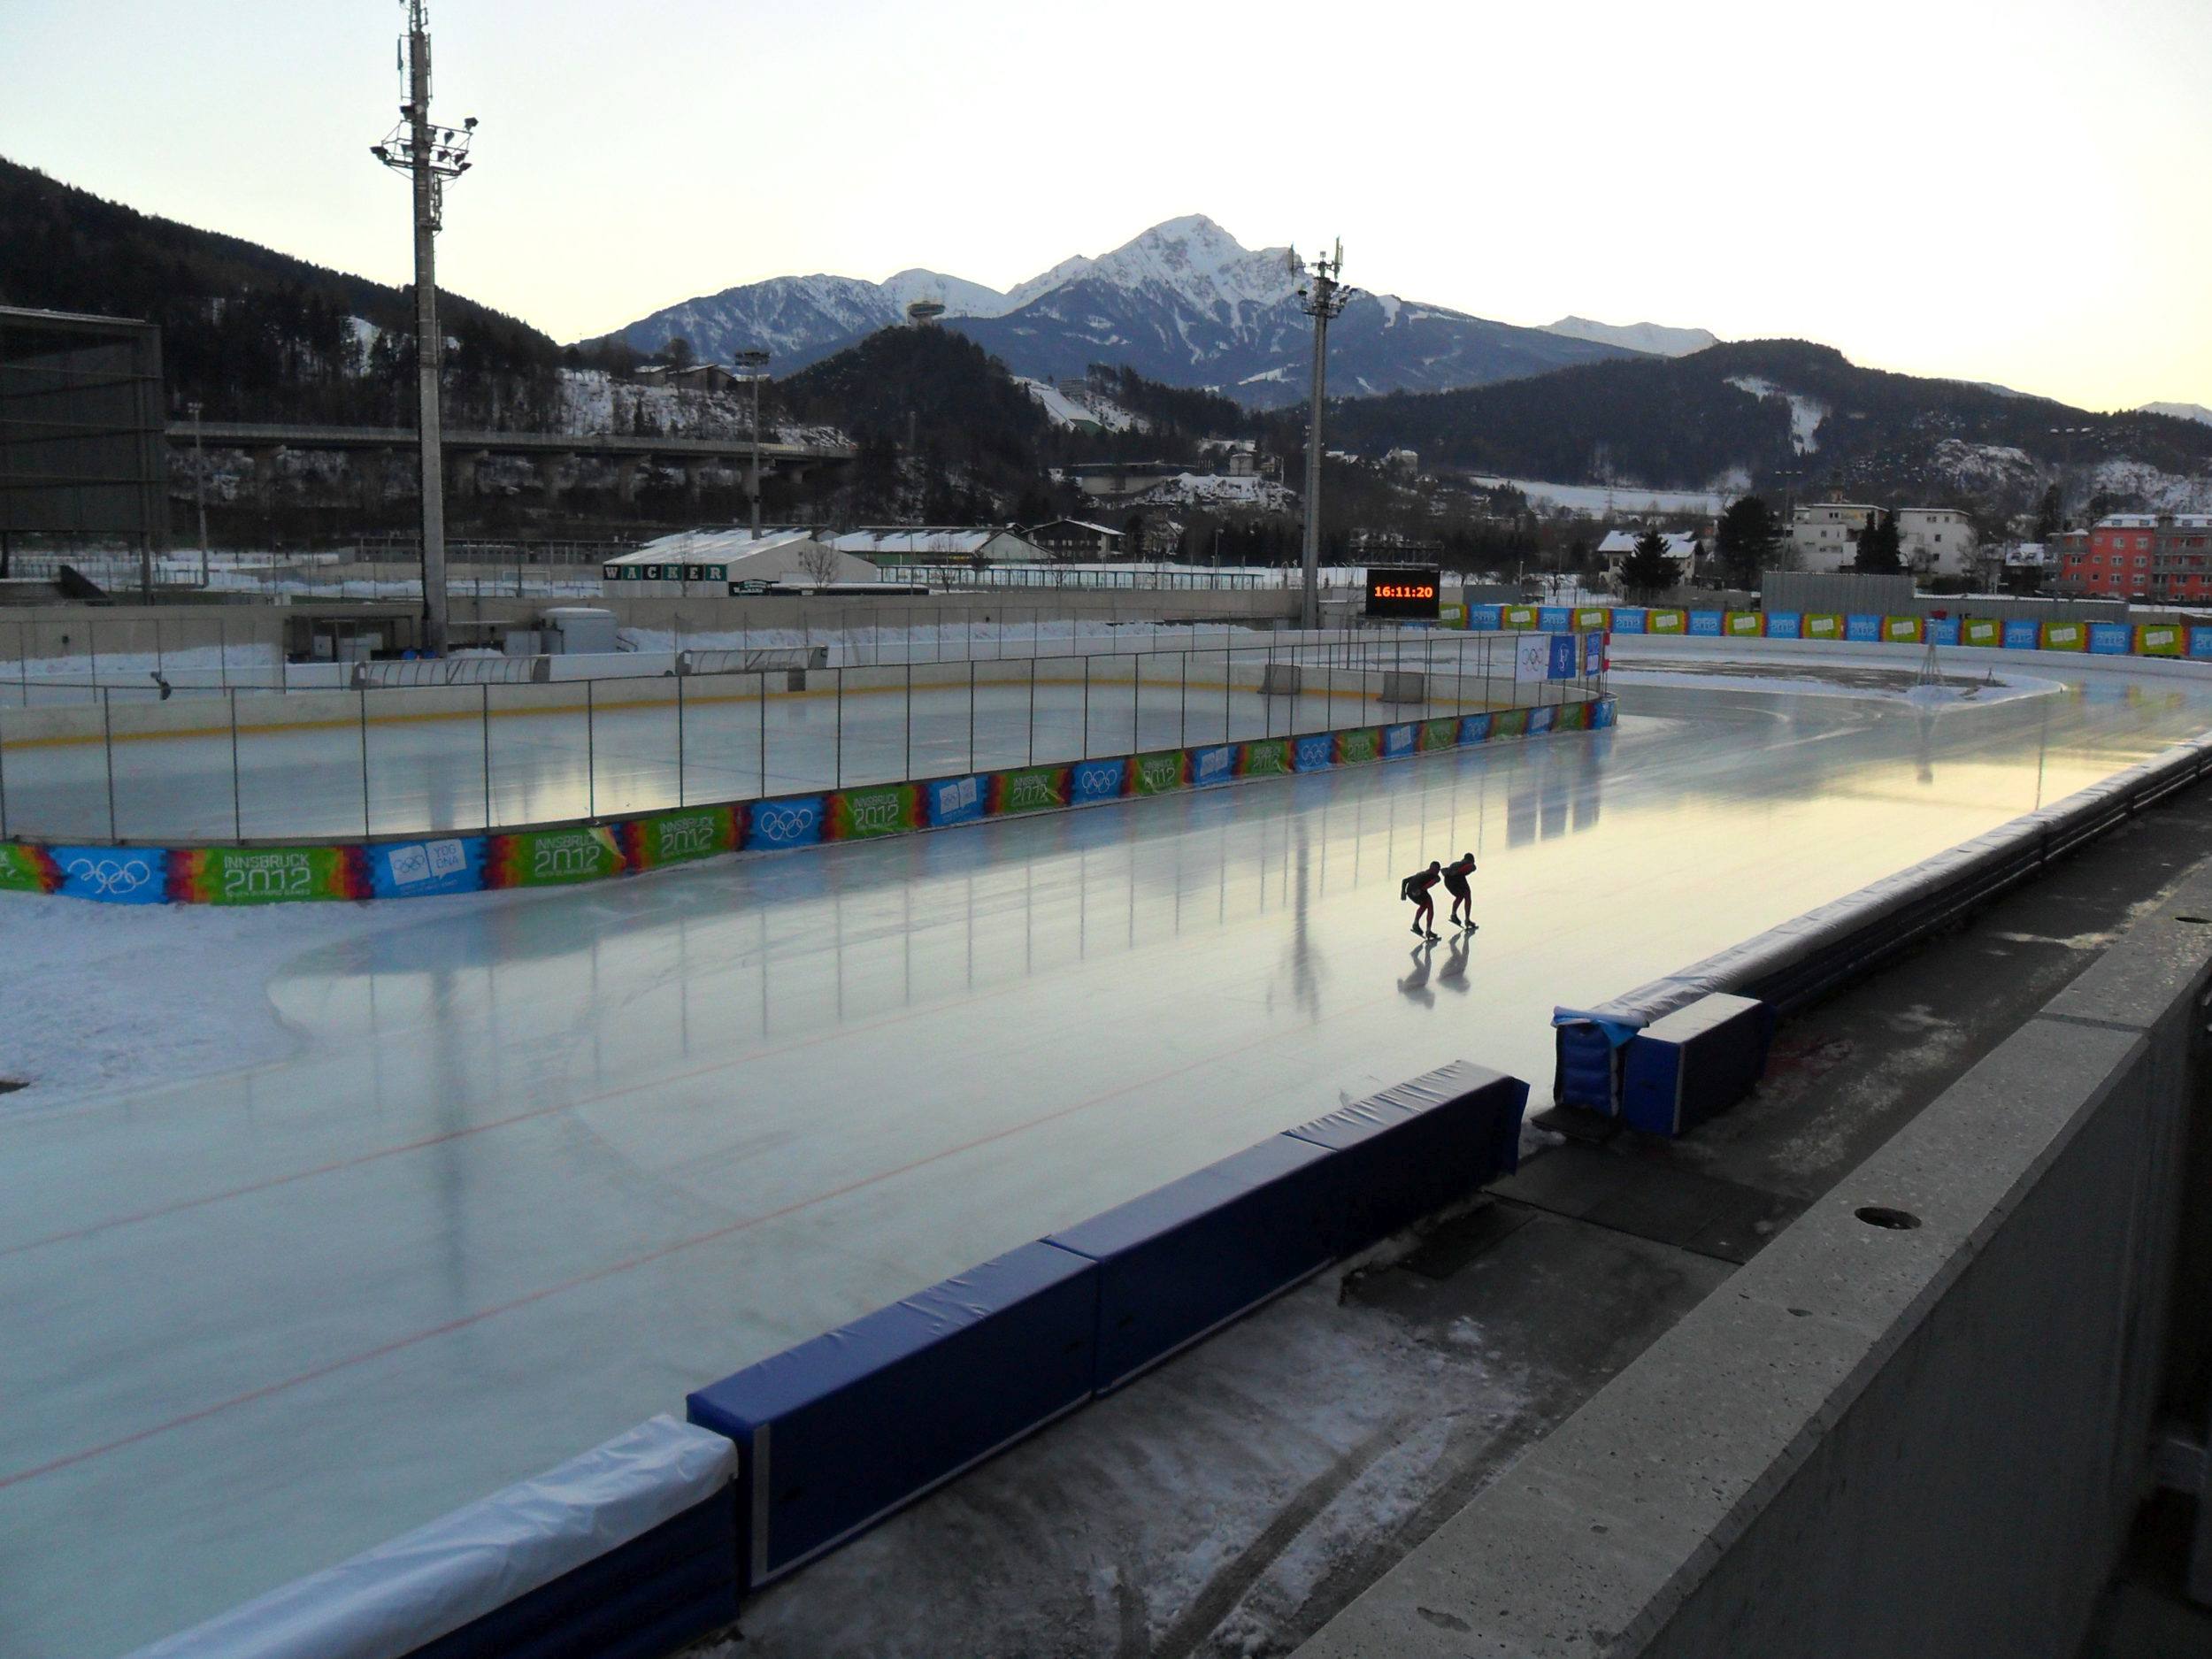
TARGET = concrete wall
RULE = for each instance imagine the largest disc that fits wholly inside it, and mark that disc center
(1876, 1441)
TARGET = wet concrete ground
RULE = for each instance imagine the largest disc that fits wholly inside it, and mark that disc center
(1230, 1502)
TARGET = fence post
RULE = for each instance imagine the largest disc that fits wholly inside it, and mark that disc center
(487, 719)
(760, 784)
(364, 694)
(107, 742)
(3, 783)
(1030, 757)
(237, 809)
(680, 740)
(837, 746)
(1086, 707)
(970, 714)
(1136, 702)
(1182, 712)
(909, 772)
(591, 757)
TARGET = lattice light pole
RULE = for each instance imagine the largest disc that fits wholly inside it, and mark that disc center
(1323, 297)
(428, 155)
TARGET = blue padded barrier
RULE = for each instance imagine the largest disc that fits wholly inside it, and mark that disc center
(1698, 1060)
(836, 1433)
(1190, 1257)
(1409, 1151)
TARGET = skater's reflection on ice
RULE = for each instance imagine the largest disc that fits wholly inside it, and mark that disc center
(1453, 972)
(1416, 984)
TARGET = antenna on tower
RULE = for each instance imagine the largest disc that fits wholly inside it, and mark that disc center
(429, 155)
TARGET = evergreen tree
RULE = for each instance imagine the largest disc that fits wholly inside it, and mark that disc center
(2050, 515)
(678, 351)
(1880, 547)
(1748, 535)
(1648, 570)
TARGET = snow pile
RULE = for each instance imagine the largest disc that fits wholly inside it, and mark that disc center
(1985, 467)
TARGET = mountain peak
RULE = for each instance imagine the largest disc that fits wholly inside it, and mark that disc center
(1201, 264)
(1656, 339)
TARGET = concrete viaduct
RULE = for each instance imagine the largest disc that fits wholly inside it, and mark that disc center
(549, 453)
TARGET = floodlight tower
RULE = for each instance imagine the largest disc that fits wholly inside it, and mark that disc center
(429, 155)
(754, 361)
(1322, 298)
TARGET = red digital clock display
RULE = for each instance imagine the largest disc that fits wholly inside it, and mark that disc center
(1411, 595)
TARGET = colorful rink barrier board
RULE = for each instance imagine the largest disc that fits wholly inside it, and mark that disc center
(267, 875)
(439, 864)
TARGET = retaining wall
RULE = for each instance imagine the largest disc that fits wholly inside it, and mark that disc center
(1923, 1437)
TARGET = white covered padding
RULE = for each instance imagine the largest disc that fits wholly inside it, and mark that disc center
(391, 1600)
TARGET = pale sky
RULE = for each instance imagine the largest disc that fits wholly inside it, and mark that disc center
(2006, 190)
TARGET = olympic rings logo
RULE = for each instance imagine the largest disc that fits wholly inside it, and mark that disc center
(785, 823)
(112, 878)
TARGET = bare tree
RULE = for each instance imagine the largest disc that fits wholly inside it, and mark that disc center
(821, 562)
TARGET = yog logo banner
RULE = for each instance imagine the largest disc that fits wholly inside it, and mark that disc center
(955, 801)
(1540, 720)
(1943, 630)
(550, 858)
(2111, 639)
(412, 870)
(1264, 758)
(1629, 621)
(1554, 619)
(1399, 741)
(27, 869)
(1212, 765)
(1784, 625)
(1593, 653)
(1160, 773)
(2022, 636)
(1474, 728)
(1317, 753)
(1442, 733)
(1706, 624)
(1867, 630)
(1562, 663)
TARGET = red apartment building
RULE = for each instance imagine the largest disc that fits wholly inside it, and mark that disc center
(2163, 558)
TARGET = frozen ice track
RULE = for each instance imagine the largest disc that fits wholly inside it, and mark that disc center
(544, 1162)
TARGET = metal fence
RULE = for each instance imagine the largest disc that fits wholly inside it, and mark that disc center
(237, 764)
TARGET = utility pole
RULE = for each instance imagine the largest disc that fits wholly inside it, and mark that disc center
(199, 489)
(1322, 298)
(754, 361)
(429, 155)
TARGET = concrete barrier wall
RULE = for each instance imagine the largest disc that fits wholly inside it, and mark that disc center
(1926, 1437)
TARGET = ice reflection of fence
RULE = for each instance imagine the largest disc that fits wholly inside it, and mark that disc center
(240, 764)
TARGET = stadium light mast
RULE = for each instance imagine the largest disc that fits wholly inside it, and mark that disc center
(754, 361)
(1322, 298)
(429, 155)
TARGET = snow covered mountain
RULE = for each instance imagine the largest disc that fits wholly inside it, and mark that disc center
(1654, 339)
(1184, 303)
(2179, 411)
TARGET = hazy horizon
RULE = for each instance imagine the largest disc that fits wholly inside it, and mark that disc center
(1910, 184)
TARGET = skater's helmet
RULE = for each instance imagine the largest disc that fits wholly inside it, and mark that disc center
(1434, 866)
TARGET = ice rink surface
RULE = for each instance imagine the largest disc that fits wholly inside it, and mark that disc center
(541, 1162)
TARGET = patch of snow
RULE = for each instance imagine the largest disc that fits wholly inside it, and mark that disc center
(1390, 303)
(1655, 338)
(1806, 413)
(2179, 411)
(1616, 498)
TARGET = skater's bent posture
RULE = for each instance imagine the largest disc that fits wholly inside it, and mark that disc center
(1417, 886)
(1456, 874)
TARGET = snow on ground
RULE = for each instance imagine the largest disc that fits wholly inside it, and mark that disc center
(1609, 498)
(105, 998)
(2158, 491)
(1213, 490)
(1088, 409)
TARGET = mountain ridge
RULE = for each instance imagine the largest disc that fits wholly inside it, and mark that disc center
(1182, 302)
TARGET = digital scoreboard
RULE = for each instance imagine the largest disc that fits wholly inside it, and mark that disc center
(1412, 593)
